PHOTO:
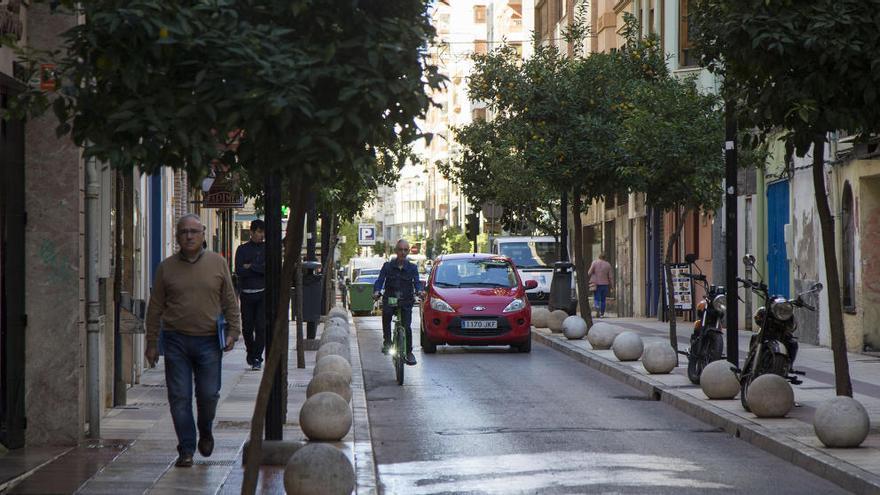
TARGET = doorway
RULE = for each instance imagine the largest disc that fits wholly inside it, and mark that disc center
(12, 275)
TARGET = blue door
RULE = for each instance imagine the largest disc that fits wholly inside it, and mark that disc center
(777, 218)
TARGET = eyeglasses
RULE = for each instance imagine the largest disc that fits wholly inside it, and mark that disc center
(189, 231)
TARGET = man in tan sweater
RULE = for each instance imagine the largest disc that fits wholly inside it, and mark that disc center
(191, 290)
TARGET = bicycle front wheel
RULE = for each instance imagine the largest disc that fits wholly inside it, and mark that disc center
(399, 354)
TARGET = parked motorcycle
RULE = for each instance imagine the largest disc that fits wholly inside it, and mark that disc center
(774, 347)
(707, 341)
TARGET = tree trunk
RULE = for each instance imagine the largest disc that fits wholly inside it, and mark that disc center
(842, 379)
(580, 266)
(328, 246)
(292, 249)
(670, 289)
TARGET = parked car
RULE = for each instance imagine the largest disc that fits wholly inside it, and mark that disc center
(476, 299)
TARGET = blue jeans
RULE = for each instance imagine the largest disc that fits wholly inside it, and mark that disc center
(187, 357)
(406, 319)
(599, 298)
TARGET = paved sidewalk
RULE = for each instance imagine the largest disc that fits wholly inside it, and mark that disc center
(140, 457)
(791, 438)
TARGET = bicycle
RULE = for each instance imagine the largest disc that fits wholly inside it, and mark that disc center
(398, 341)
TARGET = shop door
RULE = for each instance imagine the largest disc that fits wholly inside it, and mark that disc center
(12, 266)
(777, 218)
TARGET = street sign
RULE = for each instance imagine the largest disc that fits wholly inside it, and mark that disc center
(492, 211)
(224, 192)
(682, 287)
(366, 234)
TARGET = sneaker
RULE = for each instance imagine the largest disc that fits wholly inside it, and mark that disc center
(184, 460)
(410, 359)
(257, 366)
(206, 446)
(386, 347)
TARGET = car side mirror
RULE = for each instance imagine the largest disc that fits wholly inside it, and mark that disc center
(690, 258)
(531, 284)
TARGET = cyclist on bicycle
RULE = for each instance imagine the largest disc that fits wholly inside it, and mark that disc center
(398, 277)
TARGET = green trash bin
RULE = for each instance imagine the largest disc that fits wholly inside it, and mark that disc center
(360, 298)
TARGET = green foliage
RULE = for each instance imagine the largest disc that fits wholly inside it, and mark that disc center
(349, 248)
(808, 67)
(310, 89)
(453, 240)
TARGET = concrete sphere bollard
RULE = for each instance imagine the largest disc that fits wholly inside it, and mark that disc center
(718, 381)
(334, 336)
(334, 363)
(336, 323)
(335, 332)
(319, 468)
(769, 396)
(333, 348)
(337, 311)
(628, 346)
(329, 381)
(841, 422)
(554, 321)
(659, 358)
(325, 417)
(540, 315)
(601, 336)
(574, 327)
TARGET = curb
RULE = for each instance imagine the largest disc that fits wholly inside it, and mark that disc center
(364, 458)
(807, 457)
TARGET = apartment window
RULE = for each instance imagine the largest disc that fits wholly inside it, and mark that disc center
(685, 30)
(560, 9)
(479, 114)
(848, 255)
(541, 18)
(480, 14)
(481, 47)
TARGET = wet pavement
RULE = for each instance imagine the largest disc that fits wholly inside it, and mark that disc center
(487, 420)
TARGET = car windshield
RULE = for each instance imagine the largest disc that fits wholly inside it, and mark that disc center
(475, 273)
(530, 254)
(366, 279)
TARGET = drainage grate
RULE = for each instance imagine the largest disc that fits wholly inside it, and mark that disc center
(139, 404)
(297, 385)
(214, 462)
(152, 385)
(233, 424)
(633, 397)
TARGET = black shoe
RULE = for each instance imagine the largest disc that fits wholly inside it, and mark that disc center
(185, 460)
(257, 366)
(206, 446)
(410, 359)
(386, 347)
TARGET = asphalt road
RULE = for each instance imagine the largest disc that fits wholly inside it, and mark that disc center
(487, 420)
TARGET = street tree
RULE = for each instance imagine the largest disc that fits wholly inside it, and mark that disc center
(800, 70)
(304, 90)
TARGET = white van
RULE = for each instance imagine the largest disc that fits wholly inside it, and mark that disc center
(534, 257)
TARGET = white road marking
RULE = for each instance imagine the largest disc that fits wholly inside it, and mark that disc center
(520, 473)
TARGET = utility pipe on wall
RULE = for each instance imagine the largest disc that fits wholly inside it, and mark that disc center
(94, 323)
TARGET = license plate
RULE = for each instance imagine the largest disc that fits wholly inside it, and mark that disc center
(479, 324)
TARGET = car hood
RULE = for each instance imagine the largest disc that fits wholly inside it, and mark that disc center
(483, 296)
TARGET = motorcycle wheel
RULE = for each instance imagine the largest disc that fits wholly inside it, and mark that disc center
(743, 390)
(695, 360)
(715, 349)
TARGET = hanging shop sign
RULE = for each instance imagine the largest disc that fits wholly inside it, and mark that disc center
(224, 191)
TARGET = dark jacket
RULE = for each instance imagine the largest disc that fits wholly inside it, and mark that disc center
(254, 254)
(402, 281)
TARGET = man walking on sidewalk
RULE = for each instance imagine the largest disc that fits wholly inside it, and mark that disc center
(600, 279)
(190, 291)
(250, 267)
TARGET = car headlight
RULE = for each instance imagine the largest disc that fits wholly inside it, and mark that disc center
(515, 305)
(720, 303)
(441, 305)
(782, 309)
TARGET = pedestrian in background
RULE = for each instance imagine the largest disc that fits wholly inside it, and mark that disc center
(191, 290)
(600, 280)
(250, 268)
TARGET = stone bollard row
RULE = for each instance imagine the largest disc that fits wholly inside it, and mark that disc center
(326, 416)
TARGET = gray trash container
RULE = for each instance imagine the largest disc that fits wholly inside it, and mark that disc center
(560, 287)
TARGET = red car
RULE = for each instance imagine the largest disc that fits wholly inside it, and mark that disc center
(476, 299)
